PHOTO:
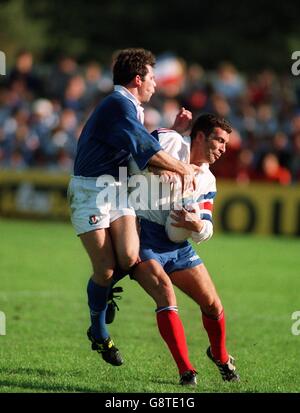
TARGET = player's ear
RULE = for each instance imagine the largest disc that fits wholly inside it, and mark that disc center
(200, 135)
(138, 80)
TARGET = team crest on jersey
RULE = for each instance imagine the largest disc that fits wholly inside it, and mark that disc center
(94, 219)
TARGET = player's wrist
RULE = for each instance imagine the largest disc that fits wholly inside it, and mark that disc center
(198, 226)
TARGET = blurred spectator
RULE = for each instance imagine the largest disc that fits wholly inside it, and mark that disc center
(282, 148)
(170, 75)
(60, 76)
(169, 111)
(74, 94)
(228, 82)
(272, 171)
(295, 161)
(152, 119)
(23, 76)
(97, 84)
(266, 123)
(43, 121)
(194, 95)
(263, 88)
(245, 166)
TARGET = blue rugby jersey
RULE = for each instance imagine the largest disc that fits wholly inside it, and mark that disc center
(111, 135)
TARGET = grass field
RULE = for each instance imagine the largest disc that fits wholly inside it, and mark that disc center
(43, 276)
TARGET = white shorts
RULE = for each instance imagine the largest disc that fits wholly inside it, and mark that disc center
(89, 209)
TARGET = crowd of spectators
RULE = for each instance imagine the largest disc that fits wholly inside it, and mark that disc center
(43, 109)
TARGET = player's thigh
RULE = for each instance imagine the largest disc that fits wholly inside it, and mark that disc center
(154, 280)
(124, 234)
(99, 247)
(197, 284)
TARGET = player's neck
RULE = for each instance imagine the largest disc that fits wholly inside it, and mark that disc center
(134, 92)
(195, 156)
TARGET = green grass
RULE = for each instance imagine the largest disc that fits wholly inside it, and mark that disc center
(44, 272)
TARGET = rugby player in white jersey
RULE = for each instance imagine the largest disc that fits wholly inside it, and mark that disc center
(165, 262)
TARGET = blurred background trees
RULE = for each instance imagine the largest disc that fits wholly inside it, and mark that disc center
(252, 35)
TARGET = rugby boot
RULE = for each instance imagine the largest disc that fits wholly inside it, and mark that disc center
(227, 370)
(107, 349)
(188, 378)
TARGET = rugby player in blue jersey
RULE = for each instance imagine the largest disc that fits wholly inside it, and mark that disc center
(166, 256)
(112, 135)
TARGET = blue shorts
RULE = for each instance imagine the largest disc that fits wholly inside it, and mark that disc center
(155, 245)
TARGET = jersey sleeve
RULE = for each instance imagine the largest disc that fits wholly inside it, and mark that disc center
(203, 203)
(171, 142)
(127, 133)
(205, 194)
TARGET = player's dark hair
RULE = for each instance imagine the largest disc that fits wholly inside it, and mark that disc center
(131, 62)
(207, 122)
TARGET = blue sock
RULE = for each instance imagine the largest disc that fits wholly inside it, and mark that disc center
(119, 274)
(97, 301)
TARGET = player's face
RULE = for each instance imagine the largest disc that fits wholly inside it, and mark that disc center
(147, 87)
(216, 145)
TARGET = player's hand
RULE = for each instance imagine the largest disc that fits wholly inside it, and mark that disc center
(169, 177)
(186, 219)
(165, 176)
(188, 177)
(182, 121)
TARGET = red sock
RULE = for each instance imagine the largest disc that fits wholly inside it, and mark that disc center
(216, 331)
(172, 331)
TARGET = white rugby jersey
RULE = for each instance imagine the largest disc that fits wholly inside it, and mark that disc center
(156, 199)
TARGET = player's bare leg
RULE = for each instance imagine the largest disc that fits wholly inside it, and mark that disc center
(100, 250)
(125, 239)
(151, 276)
(197, 284)
(124, 234)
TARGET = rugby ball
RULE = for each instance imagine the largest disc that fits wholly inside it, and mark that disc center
(176, 234)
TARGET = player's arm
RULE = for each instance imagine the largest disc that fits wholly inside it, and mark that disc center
(182, 121)
(171, 143)
(165, 161)
(197, 218)
(128, 133)
(188, 219)
(201, 229)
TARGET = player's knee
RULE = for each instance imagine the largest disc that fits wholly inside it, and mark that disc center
(212, 308)
(128, 259)
(103, 277)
